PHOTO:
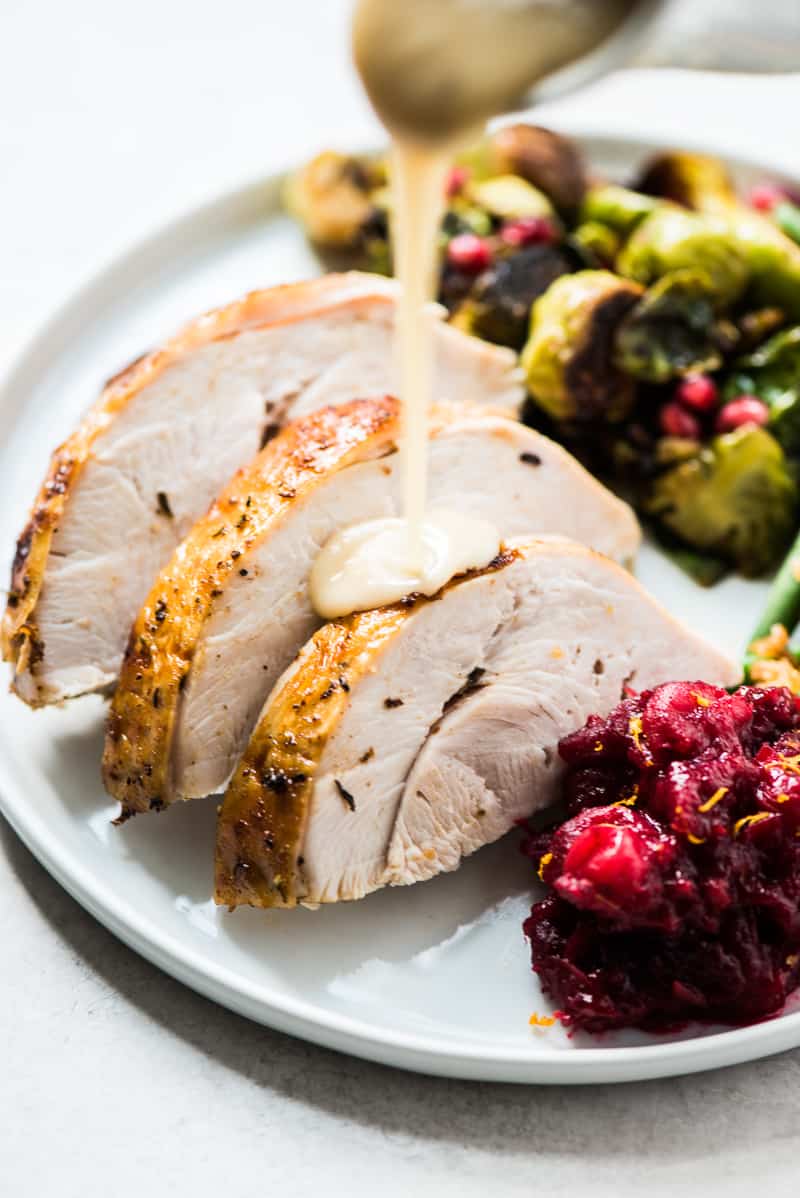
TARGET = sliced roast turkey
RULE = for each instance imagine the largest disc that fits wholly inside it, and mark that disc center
(169, 432)
(403, 739)
(232, 607)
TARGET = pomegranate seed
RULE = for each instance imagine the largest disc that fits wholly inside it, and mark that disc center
(745, 409)
(457, 177)
(677, 422)
(697, 391)
(469, 253)
(528, 230)
(764, 196)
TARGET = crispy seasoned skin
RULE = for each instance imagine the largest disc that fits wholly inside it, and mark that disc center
(262, 822)
(169, 431)
(163, 639)
(232, 608)
(403, 739)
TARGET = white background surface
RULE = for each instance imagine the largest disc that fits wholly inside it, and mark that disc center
(113, 1079)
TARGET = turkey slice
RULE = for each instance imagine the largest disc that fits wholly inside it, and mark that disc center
(405, 738)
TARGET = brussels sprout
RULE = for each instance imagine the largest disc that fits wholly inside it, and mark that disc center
(596, 241)
(568, 358)
(772, 372)
(509, 197)
(693, 180)
(671, 239)
(498, 305)
(671, 331)
(772, 258)
(769, 250)
(617, 207)
(331, 198)
(736, 499)
(548, 161)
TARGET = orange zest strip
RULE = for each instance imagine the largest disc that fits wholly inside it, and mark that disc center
(628, 800)
(541, 1020)
(544, 862)
(635, 729)
(715, 798)
(749, 819)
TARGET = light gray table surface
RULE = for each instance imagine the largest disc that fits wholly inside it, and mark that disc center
(115, 1080)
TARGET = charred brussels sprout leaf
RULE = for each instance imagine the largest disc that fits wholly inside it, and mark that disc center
(620, 209)
(670, 239)
(736, 499)
(671, 330)
(568, 358)
(499, 303)
(693, 180)
(772, 372)
(548, 161)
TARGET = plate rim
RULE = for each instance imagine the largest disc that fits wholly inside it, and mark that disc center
(290, 1014)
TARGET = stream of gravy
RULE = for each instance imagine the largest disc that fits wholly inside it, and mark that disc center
(436, 70)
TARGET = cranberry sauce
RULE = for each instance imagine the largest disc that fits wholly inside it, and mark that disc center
(675, 878)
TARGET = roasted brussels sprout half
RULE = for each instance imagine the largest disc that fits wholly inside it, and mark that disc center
(671, 239)
(508, 197)
(548, 161)
(772, 259)
(568, 358)
(736, 498)
(768, 245)
(693, 180)
(772, 372)
(499, 304)
(670, 331)
(617, 207)
(331, 198)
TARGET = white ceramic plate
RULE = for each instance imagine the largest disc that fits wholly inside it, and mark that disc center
(435, 977)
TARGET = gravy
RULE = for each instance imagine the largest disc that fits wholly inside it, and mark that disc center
(435, 71)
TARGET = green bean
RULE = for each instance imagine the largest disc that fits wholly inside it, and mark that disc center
(787, 217)
(783, 601)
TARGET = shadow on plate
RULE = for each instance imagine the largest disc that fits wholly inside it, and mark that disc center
(68, 743)
(670, 1117)
(395, 924)
(175, 847)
